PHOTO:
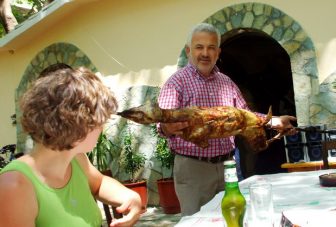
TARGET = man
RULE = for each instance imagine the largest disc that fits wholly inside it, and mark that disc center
(199, 173)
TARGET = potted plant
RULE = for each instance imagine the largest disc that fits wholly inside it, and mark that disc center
(131, 162)
(168, 199)
(103, 153)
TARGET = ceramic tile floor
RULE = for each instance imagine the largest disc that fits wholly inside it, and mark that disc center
(154, 217)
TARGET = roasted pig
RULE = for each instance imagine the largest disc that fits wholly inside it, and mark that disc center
(208, 123)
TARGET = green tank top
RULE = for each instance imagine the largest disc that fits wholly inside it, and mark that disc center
(70, 206)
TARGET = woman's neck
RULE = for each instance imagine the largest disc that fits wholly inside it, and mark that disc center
(52, 167)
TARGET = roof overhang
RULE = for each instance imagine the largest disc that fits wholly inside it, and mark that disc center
(39, 23)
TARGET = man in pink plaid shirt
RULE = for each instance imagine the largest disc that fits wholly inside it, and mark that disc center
(198, 172)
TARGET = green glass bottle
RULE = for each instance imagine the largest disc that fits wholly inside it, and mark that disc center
(233, 202)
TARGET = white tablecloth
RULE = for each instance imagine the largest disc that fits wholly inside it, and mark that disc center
(292, 192)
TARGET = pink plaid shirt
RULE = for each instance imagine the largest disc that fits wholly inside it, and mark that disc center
(186, 88)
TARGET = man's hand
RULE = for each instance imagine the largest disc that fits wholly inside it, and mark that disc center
(283, 125)
(173, 129)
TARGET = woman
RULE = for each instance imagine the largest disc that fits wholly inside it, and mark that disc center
(55, 184)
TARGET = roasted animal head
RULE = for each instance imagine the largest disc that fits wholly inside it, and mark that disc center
(145, 114)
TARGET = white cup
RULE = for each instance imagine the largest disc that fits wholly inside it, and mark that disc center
(261, 204)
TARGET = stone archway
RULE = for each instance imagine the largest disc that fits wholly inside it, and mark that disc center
(56, 53)
(287, 32)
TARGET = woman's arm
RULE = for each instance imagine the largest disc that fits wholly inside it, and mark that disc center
(18, 200)
(111, 191)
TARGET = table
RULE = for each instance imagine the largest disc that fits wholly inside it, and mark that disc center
(296, 191)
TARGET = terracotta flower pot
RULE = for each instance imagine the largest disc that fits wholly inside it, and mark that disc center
(168, 199)
(141, 188)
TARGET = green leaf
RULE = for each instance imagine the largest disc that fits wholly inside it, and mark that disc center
(103, 153)
(162, 152)
(132, 160)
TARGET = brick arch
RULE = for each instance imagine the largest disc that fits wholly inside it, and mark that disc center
(55, 53)
(287, 32)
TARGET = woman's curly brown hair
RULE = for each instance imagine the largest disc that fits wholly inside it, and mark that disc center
(64, 106)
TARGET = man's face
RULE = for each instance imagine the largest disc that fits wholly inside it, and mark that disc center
(203, 52)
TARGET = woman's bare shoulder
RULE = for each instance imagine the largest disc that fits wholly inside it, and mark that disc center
(14, 182)
(17, 194)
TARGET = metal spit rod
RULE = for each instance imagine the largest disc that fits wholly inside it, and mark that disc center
(313, 129)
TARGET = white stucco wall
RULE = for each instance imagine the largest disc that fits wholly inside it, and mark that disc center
(138, 42)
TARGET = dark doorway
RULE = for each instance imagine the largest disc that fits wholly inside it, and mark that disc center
(261, 68)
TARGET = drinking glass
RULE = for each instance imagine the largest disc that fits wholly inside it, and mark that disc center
(261, 204)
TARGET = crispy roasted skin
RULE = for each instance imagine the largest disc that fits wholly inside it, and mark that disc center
(207, 123)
